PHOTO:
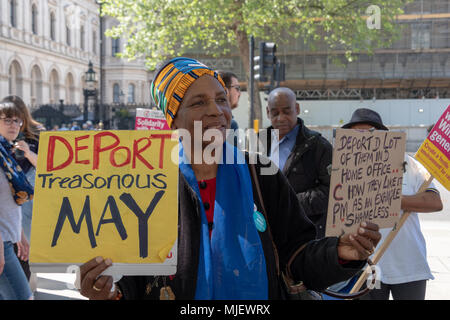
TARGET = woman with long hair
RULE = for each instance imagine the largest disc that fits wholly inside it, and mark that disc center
(27, 143)
(15, 190)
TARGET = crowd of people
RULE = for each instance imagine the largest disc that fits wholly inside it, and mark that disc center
(88, 125)
(229, 255)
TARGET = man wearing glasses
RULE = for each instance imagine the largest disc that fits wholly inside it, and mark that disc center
(233, 91)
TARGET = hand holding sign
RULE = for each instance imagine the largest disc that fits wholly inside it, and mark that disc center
(94, 286)
(361, 245)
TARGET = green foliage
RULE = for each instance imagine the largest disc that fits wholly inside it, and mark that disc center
(157, 29)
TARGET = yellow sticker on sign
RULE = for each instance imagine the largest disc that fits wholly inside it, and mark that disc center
(105, 193)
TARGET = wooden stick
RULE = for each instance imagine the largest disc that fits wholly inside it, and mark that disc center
(377, 255)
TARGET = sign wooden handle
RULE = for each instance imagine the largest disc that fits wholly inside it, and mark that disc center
(378, 254)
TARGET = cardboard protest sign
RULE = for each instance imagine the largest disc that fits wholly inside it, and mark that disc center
(150, 119)
(366, 180)
(106, 193)
(434, 153)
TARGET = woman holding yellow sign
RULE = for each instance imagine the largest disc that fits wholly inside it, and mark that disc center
(238, 228)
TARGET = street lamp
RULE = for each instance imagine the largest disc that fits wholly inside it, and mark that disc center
(90, 90)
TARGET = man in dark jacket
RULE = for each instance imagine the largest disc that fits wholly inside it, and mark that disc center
(303, 155)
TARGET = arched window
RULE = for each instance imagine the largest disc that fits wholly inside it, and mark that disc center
(34, 19)
(15, 79)
(52, 26)
(94, 42)
(131, 93)
(68, 36)
(115, 48)
(116, 93)
(54, 87)
(82, 40)
(70, 89)
(36, 86)
(13, 13)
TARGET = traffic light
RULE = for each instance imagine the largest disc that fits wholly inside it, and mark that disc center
(265, 63)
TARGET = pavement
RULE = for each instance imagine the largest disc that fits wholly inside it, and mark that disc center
(435, 227)
(436, 230)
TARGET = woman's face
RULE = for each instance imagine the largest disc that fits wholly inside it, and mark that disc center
(204, 101)
(10, 127)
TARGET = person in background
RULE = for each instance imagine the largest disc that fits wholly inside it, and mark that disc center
(224, 252)
(233, 90)
(15, 190)
(63, 127)
(28, 143)
(303, 155)
(404, 267)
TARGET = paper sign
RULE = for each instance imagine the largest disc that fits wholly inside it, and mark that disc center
(149, 119)
(434, 153)
(366, 180)
(106, 193)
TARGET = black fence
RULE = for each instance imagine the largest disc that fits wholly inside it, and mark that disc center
(113, 116)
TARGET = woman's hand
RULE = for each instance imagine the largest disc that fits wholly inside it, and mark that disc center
(30, 155)
(361, 245)
(94, 286)
(2, 256)
(23, 248)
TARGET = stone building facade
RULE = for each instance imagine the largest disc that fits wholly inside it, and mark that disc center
(45, 49)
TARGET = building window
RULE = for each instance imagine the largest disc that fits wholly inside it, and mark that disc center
(34, 19)
(131, 93)
(36, 86)
(94, 42)
(70, 89)
(54, 87)
(68, 37)
(116, 93)
(15, 79)
(115, 46)
(82, 37)
(52, 26)
(13, 12)
(420, 36)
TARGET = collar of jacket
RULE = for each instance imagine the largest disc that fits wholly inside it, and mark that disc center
(303, 135)
(305, 139)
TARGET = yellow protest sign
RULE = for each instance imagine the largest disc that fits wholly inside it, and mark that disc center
(105, 193)
(434, 153)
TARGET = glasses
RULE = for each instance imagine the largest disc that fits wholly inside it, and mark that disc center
(9, 121)
(237, 87)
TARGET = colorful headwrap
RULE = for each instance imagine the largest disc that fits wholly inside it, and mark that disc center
(173, 80)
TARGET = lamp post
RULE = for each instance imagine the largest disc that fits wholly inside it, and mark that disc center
(90, 90)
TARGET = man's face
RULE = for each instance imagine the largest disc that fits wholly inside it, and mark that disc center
(362, 126)
(234, 93)
(282, 112)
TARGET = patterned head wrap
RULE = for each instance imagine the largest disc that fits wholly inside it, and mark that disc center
(172, 81)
